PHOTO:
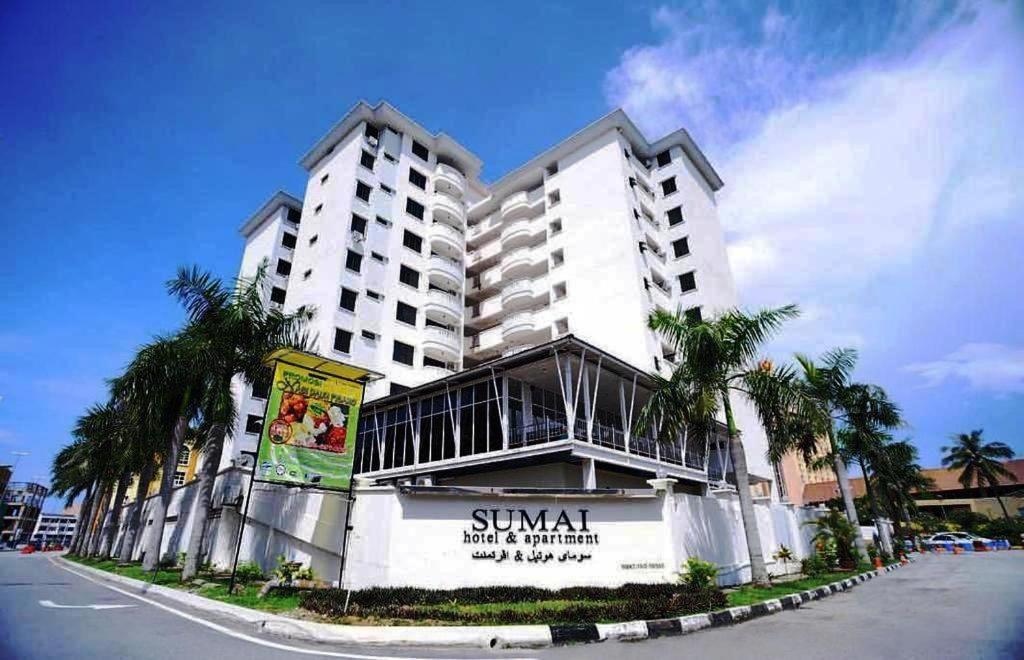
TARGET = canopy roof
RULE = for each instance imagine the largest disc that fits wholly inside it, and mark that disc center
(322, 365)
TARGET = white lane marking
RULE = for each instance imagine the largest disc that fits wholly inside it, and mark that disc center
(50, 603)
(255, 640)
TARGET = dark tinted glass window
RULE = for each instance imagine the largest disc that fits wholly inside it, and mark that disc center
(414, 208)
(412, 241)
(664, 158)
(681, 247)
(371, 131)
(409, 276)
(342, 340)
(288, 240)
(405, 313)
(284, 267)
(277, 295)
(668, 186)
(420, 151)
(687, 282)
(253, 424)
(359, 224)
(693, 315)
(294, 215)
(261, 386)
(363, 191)
(348, 299)
(403, 353)
(366, 160)
(354, 261)
(417, 179)
(675, 216)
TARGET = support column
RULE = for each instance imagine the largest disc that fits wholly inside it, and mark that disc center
(589, 474)
(671, 550)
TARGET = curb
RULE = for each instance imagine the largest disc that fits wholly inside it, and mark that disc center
(534, 636)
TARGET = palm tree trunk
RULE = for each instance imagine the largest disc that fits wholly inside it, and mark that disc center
(112, 526)
(151, 559)
(83, 514)
(883, 534)
(758, 570)
(135, 518)
(204, 499)
(847, 492)
(1002, 506)
(98, 513)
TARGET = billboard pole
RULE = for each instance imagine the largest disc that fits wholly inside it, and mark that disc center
(351, 498)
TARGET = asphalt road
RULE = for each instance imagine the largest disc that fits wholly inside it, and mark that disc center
(968, 606)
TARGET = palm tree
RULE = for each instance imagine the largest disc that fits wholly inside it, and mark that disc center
(897, 475)
(100, 433)
(717, 361)
(980, 463)
(71, 476)
(165, 380)
(238, 330)
(834, 527)
(834, 400)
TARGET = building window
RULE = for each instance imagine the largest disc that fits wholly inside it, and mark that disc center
(366, 159)
(348, 299)
(377, 256)
(693, 315)
(664, 158)
(358, 224)
(277, 295)
(253, 424)
(307, 274)
(369, 336)
(324, 178)
(675, 216)
(373, 295)
(319, 207)
(403, 353)
(294, 216)
(179, 478)
(668, 186)
(552, 169)
(288, 240)
(409, 277)
(405, 313)
(371, 131)
(354, 261)
(391, 159)
(420, 151)
(363, 191)
(559, 291)
(314, 238)
(414, 208)
(417, 179)
(261, 386)
(383, 222)
(554, 198)
(284, 268)
(681, 247)
(557, 258)
(687, 282)
(184, 455)
(342, 340)
(387, 190)
(562, 326)
(413, 242)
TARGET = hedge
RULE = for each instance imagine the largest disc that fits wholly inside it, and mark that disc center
(625, 603)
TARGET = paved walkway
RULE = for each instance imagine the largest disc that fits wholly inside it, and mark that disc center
(969, 606)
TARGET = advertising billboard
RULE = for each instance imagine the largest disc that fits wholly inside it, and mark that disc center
(310, 429)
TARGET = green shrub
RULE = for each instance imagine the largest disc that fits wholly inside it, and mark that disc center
(814, 565)
(628, 602)
(1001, 528)
(287, 571)
(699, 574)
(248, 571)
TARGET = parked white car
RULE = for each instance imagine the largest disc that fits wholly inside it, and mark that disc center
(953, 537)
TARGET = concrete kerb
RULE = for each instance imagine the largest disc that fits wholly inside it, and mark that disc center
(486, 636)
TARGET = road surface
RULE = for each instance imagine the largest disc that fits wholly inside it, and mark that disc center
(969, 606)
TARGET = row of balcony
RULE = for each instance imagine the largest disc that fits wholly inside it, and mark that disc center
(449, 180)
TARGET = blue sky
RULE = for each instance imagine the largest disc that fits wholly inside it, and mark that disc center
(870, 158)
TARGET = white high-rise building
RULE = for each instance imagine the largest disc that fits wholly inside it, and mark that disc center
(418, 269)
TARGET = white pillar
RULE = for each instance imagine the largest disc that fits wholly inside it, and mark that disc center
(589, 474)
(670, 550)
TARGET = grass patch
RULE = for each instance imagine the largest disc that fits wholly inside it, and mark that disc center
(749, 594)
(215, 587)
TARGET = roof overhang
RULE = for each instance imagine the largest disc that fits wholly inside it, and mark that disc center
(322, 365)
(279, 199)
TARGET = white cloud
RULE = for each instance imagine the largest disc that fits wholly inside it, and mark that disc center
(838, 173)
(991, 367)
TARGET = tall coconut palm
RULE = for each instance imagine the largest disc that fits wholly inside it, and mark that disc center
(71, 476)
(980, 463)
(100, 432)
(165, 379)
(836, 401)
(238, 329)
(718, 365)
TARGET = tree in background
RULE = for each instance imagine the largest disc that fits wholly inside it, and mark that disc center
(717, 361)
(980, 463)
